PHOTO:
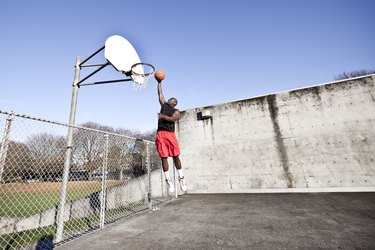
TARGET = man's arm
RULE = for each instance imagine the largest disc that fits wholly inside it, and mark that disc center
(160, 94)
(173, 118)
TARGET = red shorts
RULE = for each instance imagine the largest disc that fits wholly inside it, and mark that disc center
(167, 144)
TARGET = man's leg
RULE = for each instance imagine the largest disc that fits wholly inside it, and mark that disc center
(181, 178)
(165, 165)
(177, 162)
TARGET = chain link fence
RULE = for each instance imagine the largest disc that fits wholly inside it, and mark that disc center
(110, 177)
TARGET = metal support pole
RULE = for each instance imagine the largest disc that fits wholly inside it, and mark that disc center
(162, 181)
(5, 143)
(175, 181)
(68, 154)
(104, 181)
(148, 166)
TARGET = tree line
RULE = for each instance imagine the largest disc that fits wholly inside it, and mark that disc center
(42, 156)
(354, 73)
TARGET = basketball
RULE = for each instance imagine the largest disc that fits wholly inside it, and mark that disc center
(159, 75)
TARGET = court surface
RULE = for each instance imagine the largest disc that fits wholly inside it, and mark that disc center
(245, 221)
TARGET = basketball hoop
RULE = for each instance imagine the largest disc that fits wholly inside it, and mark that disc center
(140, 73)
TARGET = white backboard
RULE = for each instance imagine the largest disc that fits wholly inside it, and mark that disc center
(120, 53)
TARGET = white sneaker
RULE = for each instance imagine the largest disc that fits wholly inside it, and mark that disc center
(182, 183)
(170, 185)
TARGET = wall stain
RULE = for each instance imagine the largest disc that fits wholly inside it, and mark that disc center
(372, 97)
(302, 93)
(255, 101)
(349, 84)
(273, 110)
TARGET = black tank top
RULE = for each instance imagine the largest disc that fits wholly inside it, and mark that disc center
(164, 125)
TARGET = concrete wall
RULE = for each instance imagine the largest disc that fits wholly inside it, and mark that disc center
(320, 138)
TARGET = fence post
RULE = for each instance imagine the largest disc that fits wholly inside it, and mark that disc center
(104, 181)
(68, 154)
(148, 166)
(5, 143)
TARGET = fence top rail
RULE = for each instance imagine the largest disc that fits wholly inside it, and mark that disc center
(68, 125)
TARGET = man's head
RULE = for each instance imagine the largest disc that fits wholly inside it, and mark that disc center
(172, 101)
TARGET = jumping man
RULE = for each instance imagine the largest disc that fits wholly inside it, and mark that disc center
(166, 141)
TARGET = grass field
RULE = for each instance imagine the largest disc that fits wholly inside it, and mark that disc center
(71, 228)
(25, 199)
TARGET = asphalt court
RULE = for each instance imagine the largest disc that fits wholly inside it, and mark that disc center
(245, 221)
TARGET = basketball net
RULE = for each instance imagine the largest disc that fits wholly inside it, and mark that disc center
(141, 72)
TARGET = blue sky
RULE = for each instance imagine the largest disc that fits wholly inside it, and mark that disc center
(212, 52)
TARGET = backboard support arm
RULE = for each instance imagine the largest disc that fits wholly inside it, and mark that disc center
(88, 58)
(104, 82)
(93, 73)
(101, 66)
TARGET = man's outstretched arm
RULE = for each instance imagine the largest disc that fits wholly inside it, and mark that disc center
(160, 94)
